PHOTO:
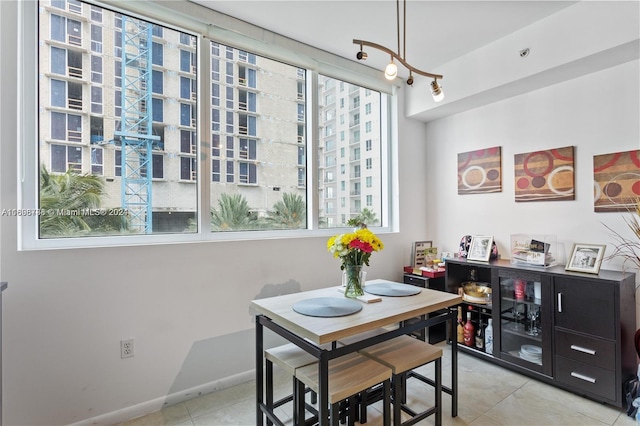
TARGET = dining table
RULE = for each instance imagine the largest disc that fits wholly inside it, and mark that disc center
(318, 333)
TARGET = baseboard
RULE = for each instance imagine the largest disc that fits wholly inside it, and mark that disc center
(158, 404)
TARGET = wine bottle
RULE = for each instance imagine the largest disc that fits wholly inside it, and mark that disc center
(480, 336)
(460, 330)
(469, 331)
(488, 337)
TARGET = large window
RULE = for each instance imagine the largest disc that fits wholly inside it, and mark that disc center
(121, 142)
(152, 127)
(261, 137)
(351, 165)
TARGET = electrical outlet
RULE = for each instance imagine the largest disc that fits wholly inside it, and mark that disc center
(126, 348)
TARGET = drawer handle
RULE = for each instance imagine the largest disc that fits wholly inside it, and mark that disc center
(583, 377)
(583, 350)
(559, 302)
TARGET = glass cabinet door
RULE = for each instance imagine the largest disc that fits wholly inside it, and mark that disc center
(525, 320)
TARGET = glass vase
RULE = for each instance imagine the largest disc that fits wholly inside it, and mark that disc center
(353, 278)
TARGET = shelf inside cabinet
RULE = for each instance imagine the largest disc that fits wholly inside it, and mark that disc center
(516, 354)
(522, 333)
(528, 301)
(478, 305)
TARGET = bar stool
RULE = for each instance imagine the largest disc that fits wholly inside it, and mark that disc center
(349, 375)
(403, 354)
(289, 357)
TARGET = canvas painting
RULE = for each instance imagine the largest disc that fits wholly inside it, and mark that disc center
(545, 175)
(616, 180)
(480, 171)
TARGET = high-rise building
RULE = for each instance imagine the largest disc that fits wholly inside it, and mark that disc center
(349, 151)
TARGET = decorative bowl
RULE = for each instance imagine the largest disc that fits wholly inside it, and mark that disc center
(476, 292)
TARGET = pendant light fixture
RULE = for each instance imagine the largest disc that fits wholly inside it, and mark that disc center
(391, 71)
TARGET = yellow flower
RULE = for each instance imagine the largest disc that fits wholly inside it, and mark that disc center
(364, 243)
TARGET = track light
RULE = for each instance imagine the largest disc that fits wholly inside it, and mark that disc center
(410, 79)
(436, 91)
(391, 71)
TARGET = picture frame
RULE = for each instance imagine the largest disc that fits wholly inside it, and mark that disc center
(586, 258)
(418, 253)
(480, 248)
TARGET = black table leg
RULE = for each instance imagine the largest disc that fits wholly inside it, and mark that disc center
(454, 366)
(259, 372)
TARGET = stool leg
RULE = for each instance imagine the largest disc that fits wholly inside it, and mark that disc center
(363, 406)
(269, 385)
(334, 413)
(298, 402)
(386, 409)
(314, 397)
(397, 399)
(438, 391)
(403, 386)
(351, 413)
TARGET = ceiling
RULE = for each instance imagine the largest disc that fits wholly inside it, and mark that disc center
(437, 31)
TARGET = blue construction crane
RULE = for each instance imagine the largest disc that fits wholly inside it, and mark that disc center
(136, 124)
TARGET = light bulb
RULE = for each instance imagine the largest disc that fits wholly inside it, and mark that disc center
(436, 91)
(391, 71)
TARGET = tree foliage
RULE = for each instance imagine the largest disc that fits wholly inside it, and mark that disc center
(65, 198)
(289, 213)
(232, 214)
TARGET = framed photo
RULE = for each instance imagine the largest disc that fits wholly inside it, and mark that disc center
(480, 248)
(418, 253)
(586, 258)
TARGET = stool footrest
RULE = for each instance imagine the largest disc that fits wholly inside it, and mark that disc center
(416, 417)
(270, 416)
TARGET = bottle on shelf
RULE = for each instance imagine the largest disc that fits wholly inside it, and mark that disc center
(460, 330)
(469, 331)
(519, 289)
(488, 337)
(480, 336)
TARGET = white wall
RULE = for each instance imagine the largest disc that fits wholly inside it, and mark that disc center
(597, 114)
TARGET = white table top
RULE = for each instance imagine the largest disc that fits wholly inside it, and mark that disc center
(390, 310)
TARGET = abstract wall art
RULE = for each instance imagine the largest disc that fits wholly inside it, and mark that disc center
(480, 171)
(545, 175)
(616, 179)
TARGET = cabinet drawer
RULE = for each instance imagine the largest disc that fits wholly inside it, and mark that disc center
(588, 378)
(588, 350)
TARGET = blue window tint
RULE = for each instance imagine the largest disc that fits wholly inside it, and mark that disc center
(58, 93)
(158, 109)
(58, 61)
(157, 81)
(157, 54)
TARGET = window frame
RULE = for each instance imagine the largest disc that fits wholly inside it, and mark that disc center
(292, 52)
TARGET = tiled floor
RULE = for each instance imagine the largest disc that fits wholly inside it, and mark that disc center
(489, 395)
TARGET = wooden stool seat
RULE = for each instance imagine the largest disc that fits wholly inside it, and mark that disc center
(403, 353)
(349, 375)
(289, 358)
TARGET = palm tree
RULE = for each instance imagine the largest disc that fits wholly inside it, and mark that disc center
(366, 216)
(66, 197)
(233, 214)
(289, 213)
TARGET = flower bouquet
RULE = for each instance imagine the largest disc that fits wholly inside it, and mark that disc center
(354, 250)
